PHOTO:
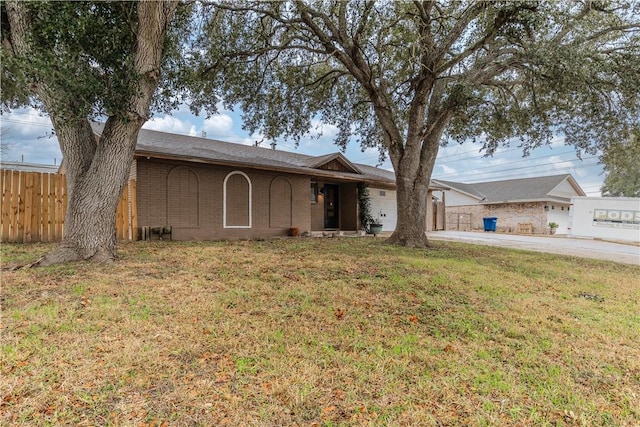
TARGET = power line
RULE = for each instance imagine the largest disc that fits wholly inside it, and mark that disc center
(27, 122)
(498, 176)
(522, 167)
(530, 159)
(517, 172)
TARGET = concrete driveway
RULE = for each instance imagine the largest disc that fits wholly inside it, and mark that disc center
(586, 248)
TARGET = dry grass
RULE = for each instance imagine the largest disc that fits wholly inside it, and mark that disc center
(320, 332)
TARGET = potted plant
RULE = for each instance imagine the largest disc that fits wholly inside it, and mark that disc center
(368, 223)
(364, 207)
(552, 227)
(375, 226)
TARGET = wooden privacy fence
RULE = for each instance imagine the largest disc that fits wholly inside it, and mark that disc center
(34, 206)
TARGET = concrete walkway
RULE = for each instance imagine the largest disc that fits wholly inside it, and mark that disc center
(585, 248)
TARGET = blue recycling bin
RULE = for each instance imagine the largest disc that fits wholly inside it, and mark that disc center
(490, 223)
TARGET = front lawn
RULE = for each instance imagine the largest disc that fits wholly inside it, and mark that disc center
(322, 332)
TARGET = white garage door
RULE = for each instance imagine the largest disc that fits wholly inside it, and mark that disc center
(383, 205)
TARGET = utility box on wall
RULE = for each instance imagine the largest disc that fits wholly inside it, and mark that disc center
(611, 218)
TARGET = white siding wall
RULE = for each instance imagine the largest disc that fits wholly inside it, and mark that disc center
(455, 198)
(615, 218)
(559, 215)
(564, 189)
(384, 205)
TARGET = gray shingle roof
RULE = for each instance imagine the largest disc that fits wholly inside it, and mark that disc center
(514, 190)
(190, 148)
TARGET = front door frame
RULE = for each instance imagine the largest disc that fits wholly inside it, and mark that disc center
(331, 206)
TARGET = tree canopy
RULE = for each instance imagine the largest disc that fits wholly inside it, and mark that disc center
(524, 69)
(621, 162)
(84, 52)
(407, 77)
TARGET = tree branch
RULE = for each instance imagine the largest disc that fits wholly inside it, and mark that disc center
(462, 23)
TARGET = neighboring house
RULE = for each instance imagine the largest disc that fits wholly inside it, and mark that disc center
(518, 204)
(29, 167)
(208, 189)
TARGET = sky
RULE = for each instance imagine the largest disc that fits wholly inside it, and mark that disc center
(29, 137)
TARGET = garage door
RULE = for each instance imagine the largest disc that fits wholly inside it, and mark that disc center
(383, 205)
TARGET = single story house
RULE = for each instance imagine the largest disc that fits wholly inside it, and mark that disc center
(525, 205)
(29, 167)
(207, 189)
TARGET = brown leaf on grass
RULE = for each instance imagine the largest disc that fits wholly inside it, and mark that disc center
(413, 319)
(326, 411)
(449, 349)
(291, 276)
(339, 313)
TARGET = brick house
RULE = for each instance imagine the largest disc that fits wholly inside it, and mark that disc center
(207, 189)
(521, 205)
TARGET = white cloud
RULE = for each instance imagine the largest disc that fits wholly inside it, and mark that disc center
(322, 130)
(447, 170)
(172, 125)
(26, 123)
(557, 141)
(559, 164)
(218, 126)
(28, 137)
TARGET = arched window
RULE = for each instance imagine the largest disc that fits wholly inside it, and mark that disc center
(280, 203)
(182, 198)
(236, 200)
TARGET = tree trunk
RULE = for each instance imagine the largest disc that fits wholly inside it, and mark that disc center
(413, 165)
(412, 213)
(90, 223)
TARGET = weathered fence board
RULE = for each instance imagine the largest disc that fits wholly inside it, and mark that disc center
(34, 206)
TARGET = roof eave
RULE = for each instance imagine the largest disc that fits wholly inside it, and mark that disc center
(545, 199)
(451, 188)
(293, 169)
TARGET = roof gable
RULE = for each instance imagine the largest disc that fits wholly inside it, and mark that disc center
(334, 162)
(569, 187)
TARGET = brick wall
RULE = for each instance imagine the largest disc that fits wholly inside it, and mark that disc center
(156, 201)
(509, 216)
(464, 218)
(317, 210)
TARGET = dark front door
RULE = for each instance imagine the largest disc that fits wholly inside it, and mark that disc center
(331, 211)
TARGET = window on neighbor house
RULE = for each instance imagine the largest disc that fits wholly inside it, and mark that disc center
(313, 195)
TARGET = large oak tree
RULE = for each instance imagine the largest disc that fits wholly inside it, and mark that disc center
(76, 61)
(408, 77)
